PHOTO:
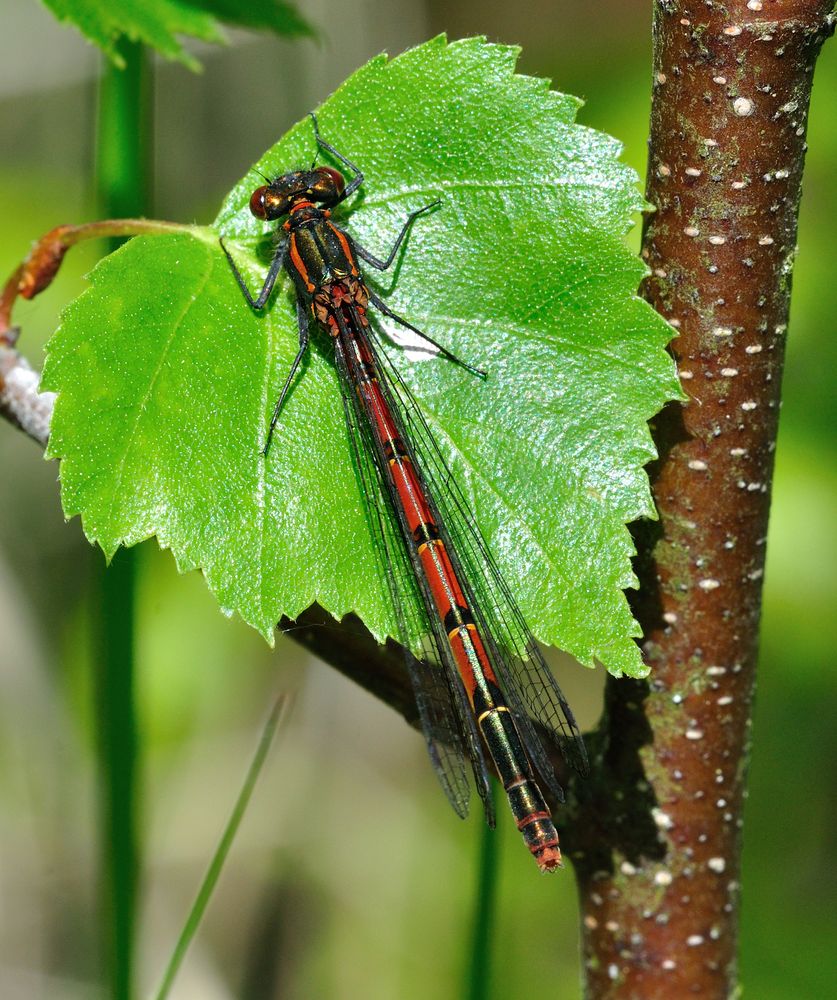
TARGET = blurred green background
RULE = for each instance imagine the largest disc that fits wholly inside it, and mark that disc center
(378, 903)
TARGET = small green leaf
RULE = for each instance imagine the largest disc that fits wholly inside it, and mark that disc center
(156, 22)
(260, 15)
(167, 379)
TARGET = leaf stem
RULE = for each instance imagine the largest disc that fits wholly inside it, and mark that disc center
(41, 265)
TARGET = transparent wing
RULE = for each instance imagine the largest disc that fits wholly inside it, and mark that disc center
(445, 719)
(525, 677)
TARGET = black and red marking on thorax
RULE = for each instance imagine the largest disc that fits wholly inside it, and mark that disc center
(324, 266)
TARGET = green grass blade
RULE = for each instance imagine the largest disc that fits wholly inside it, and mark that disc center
(222, 850)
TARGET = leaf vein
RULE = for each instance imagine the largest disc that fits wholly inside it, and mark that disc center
(386, 196)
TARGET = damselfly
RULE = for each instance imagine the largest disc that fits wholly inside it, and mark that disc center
(481, 679)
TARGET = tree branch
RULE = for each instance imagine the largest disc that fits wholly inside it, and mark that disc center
(20, 401)
(731, 92)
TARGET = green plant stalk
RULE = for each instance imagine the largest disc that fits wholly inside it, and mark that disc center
(123, 155)
(478, 985)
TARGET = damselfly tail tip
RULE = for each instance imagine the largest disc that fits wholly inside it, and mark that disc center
(549, 859)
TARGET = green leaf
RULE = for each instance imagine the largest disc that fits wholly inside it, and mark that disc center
(261, 15)
(167, 379)
(156, 22)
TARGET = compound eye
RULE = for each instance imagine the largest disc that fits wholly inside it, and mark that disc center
(257, 202)
(336, 179)
(327, 185)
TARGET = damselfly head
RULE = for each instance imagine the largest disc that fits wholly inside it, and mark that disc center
(324, 185)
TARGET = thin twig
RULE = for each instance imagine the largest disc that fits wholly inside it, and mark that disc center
(20, 401)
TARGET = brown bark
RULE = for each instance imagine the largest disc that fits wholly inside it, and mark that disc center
(660, 900)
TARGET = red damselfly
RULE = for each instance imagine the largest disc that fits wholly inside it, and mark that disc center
(481, 679)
